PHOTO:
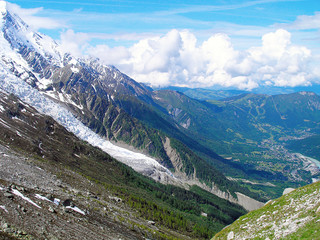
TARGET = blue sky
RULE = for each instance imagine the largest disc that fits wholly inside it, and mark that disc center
(241, 44)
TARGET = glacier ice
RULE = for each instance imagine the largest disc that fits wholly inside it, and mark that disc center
(139, 162)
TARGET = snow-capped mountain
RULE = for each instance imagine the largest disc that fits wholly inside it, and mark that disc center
(39, 60)
(86, 87)
(30, 62)
(137, 161)
(31, 56)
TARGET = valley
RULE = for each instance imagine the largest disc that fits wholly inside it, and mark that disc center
(252, 133)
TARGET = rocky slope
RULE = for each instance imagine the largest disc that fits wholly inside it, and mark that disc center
(42, 199)
(35, 204)
(295, 215)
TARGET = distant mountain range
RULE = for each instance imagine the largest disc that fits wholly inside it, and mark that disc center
(205, 93)
(251, 129)
(219, 94)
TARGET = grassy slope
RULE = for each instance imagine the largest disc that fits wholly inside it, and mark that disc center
(293, 216)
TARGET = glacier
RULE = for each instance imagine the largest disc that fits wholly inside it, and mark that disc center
(139, 162)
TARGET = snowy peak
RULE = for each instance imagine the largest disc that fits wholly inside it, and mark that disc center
(31, 56)
(3, 8)
(11, 25)
(40, 61)
(19, 35)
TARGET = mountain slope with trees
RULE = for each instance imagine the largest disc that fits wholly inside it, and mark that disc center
(94, 180)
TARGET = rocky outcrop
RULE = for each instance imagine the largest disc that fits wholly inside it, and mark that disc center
(287, 190)
(174, 158)
(248, 203)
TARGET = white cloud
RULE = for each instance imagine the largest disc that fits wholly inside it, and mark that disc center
(177, 59)
(36, 22)
(110, 55)
(304, 22)
(74, 43)
(280, 62)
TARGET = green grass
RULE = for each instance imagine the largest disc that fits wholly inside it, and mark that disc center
(297, 207)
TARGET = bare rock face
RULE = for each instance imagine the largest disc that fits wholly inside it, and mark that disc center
(287, 190)
(243, 200)
(248, 203)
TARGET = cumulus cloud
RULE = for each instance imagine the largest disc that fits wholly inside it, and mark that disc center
(280, 62)
(36, 22)
(177, 58)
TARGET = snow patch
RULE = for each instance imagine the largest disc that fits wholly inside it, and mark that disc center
(75, 70)
(76, 209)
(115, 75)
(4, 208)
(42, 198)
(303, 93)
(44, 83)
(73, 61)
(94, 87)
(17, 193)
(56, 201)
